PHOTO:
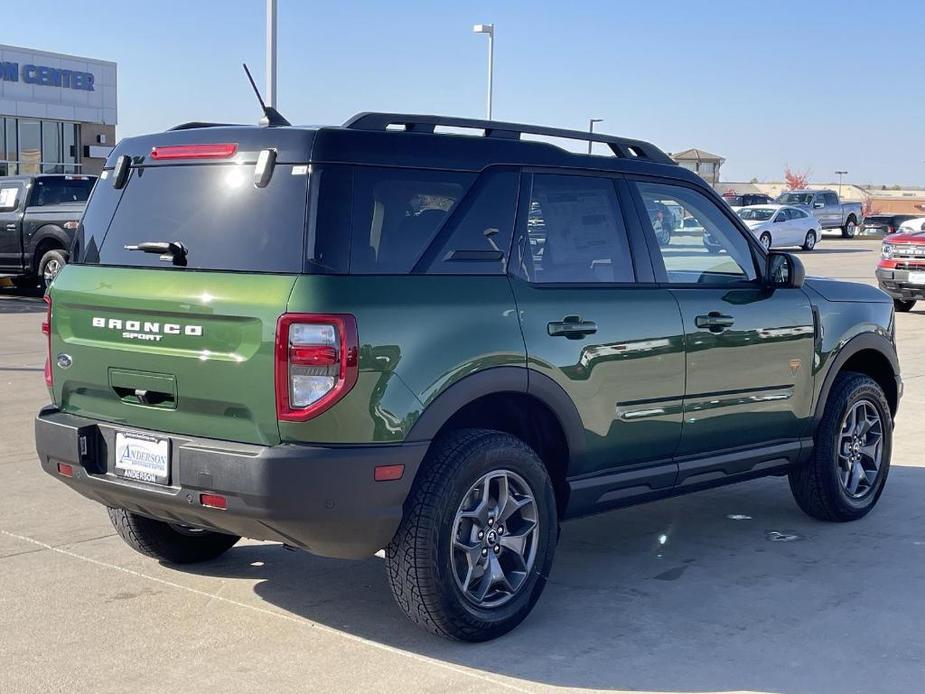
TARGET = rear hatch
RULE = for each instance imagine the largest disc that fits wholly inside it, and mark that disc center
(183, 342)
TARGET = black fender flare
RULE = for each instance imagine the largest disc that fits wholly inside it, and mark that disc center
(864, 341)
(502, 379)
(44, 233)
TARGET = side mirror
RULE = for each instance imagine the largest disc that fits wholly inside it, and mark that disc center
(818, 205)
(785, 271)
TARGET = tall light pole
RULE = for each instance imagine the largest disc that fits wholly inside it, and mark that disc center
(271, 53)
(840, 174)
(490, 30)
(591, 122)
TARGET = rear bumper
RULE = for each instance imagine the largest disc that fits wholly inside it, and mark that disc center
(896, 283)
(323, 499)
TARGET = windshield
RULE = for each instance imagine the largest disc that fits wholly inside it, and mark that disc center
(214, 210)
(795, 199)
(757, 214)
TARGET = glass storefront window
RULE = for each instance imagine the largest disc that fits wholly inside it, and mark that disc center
(30, 146)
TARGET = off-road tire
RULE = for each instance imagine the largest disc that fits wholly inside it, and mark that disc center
(815, 485)
(418, 558)
(161, 541)
(903, 305)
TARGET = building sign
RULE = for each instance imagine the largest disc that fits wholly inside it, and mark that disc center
(47, 76)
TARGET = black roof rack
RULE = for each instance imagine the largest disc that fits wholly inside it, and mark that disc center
(621, 146)
(200, 124)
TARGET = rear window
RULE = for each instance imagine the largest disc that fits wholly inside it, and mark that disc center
(214, 210)
(61, 190)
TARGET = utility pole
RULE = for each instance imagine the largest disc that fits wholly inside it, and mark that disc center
(271, 53)
(591, 122)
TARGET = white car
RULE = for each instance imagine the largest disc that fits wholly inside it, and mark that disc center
(777, 226)
(914, 224)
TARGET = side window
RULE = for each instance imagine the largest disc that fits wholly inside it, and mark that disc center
(783, 215)
(477, 238)
(716, 252)
(574, 232)
(831, 200)
(397, 213)
(9, 197)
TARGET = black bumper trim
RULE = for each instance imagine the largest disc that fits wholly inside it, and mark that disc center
(321, 498)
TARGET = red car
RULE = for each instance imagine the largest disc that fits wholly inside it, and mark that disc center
(901, 270)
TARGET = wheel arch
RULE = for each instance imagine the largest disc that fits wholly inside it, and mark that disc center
(871, 354)
(47, 238)
(519, 401)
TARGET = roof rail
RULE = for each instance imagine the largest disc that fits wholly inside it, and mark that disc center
(192, 125)
(621, 146)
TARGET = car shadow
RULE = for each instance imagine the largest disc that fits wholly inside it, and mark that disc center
(18, 300)
(731, 589)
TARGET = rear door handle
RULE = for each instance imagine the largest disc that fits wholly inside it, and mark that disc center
(572, 328)
(714, 321)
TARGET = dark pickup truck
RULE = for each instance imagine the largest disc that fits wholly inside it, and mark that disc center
(38, 218)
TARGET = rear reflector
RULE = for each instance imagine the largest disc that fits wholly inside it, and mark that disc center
(213, 501)
(386, 473)
(213, 151)
(46, 331)
(65, 469)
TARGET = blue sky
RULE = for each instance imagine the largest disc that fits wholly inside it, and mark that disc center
(816, 85)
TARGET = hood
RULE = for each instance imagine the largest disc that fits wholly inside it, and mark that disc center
(839, 291)
(754, 223)
(906, 237)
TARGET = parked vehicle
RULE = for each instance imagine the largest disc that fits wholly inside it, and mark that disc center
(884, 224)
(378, 335)
(38, 217)
(747, 199)
(779, 226)
(901, 269)
(827, 208)
(912, 224)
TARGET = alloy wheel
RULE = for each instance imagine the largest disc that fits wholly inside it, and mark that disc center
(810, 241)
(50, 271)
(860, 449)
(495, 535)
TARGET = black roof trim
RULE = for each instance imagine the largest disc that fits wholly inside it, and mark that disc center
(620, 146)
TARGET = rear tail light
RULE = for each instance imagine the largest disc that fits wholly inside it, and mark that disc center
(46, 331)
(211, 151)
(316, 363)
(890, 229)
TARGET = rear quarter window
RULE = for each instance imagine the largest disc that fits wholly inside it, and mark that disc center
(214, 210)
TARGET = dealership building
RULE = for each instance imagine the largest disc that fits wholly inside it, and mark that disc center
(58, 112)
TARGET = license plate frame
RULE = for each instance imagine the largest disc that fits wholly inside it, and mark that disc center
(142, 457)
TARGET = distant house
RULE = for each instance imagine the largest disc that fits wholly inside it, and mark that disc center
(704, 164)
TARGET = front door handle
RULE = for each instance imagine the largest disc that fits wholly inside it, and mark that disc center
(572, 328)
(714, 321)
(12, 227)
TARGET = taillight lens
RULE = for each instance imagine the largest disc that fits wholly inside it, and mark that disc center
(316, 363)
(46, 331)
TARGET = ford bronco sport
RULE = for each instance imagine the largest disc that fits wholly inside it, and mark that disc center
(387, 335)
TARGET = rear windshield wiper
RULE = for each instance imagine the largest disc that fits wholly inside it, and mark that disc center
(174, 251)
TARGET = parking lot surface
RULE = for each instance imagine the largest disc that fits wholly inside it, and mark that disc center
(728, 590)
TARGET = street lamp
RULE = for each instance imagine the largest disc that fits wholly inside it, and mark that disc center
(490, 30)
(840, 174)
(591, 122)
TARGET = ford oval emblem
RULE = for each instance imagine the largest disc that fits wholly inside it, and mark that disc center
(64, 361)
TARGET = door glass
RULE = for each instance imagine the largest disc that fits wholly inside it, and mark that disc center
(575, 232)
(713, 251)
(9, 197)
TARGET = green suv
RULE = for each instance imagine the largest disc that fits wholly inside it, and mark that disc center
(392, 335)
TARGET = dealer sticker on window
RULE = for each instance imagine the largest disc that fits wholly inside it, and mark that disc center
(143, 458)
